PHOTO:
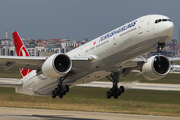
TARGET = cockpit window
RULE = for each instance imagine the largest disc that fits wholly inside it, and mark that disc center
(162, 20)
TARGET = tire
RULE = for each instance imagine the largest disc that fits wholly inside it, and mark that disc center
(108, 95)
(59, 88)
(122, 89)
(119, 92)
(53, 94)
(64, 92)
(56, 91)
(116, 96)
(114, 90)
(111, 92)
(67, 88)
(60, 95)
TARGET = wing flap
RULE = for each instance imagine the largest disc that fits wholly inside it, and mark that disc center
(134, 63)
(80, 63)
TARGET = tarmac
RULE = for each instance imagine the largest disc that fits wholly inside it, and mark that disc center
(7, 113)
(135, 85)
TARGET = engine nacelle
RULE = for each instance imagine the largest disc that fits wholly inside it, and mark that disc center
(156, 67)
(56, 66)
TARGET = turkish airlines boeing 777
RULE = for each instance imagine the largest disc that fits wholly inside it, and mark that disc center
(109, 55)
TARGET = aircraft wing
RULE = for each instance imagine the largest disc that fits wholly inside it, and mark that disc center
(35, 63)
(21, 62)
(141, 60)
(80, 63)
(174, 60)
(134, 63)
(8, 82)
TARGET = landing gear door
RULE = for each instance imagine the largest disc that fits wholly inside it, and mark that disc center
(140, 27)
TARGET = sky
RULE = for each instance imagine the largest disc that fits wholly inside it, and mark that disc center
(78, 19)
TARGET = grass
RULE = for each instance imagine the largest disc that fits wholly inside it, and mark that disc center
(165, 103)
(94, 100)
(11, 73)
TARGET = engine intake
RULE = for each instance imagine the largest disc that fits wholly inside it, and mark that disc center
(156, 67)
(56, 66)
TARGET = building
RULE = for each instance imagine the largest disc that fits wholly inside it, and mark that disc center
(7, 50)
(39, 47)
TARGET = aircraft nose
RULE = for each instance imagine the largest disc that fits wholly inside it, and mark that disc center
(170, 28)
(167, 29)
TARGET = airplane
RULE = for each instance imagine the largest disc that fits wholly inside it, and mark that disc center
(175, 67)
(114, 53)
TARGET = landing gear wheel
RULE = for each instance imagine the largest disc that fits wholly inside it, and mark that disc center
(111, 92)
(63, 92)
(53, 95)
(116, 96)
(60, 95)
(67, 88)
(56, 91)
(114, 90)
(122, 89)
(119, 92)
(108, 95)
(59, 88)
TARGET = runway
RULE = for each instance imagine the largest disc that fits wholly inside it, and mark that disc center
(135, 85)
(33, 114)
(127, 85)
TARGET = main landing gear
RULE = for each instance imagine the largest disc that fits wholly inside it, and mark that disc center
(61, 90)
(115, 91)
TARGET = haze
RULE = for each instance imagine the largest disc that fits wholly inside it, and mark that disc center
(78, 19)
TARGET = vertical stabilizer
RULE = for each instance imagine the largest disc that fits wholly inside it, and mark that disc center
(21, 51)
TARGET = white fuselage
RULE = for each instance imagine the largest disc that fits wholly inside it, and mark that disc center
(111, 51)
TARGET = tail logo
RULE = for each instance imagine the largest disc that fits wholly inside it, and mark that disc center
(24, 72)
(22, 52)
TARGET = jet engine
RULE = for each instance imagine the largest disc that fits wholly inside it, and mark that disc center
(56, 66)
(156, 67)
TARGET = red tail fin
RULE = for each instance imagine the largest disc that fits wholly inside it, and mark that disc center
(20, 51)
